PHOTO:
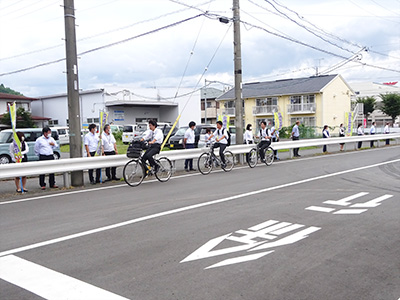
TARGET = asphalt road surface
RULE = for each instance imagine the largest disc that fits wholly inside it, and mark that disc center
(325, 227)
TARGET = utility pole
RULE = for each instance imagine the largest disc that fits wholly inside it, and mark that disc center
(238, 73)
(205, 101)
(75, 142)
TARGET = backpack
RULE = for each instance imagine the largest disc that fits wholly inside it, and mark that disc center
(229, 138)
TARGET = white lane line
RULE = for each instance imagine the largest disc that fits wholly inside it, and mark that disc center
(240, 259)
(47, 283)
(320, 209)
(350, 211)
(373, 203)
(345, 201)
(186, 208)
(184, 176)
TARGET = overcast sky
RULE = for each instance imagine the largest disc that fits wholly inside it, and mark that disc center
(32, 33)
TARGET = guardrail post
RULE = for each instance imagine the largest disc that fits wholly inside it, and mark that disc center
(67, 179)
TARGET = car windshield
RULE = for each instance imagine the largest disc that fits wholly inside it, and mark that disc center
(128, 128)
(5, 137)
(181, 131)
(142, 127)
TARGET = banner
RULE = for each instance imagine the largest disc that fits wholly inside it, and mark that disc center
(103, 121)
(278, 120)
(16, 142)
(349, 123)
(225, 120)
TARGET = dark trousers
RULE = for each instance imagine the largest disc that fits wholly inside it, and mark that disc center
(262, 146)
(111, 172)
(148, 155)
(372, 142)
(274, 139)
(359, 143)
(295, 150)
(324, 148)
(222, 148)
(189, 162)
(92, 154)
(387, 141)
(247, 154)
(51, 176)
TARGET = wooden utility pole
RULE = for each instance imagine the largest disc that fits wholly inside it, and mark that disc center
(75, 142)
(238, 73)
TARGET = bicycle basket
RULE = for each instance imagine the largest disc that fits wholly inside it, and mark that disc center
(135, 149)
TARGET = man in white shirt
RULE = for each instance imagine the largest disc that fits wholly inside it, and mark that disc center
(155, 137)
(265, 136)
(221, 139)
(360, 132)
(386, 131)
(372, 131)
(91, 144)
(189, 143)
(275, 139)
(44, 146)
(109, 148)
(296, 137)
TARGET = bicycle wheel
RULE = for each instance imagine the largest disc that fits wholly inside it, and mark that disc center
(165, 169)
(252, 158)
(269, 156)
(229, 161)
(134, 172)
(204, 163)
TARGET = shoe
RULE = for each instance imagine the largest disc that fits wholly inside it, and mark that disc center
(192, 169)
(108, 179)
(18, 191)
(116, 179)
(262, 160)
(97, 180)
(43, 188)
(25, 191)
(93, 182)
(187, 170)
(223, 165)
(54, 187)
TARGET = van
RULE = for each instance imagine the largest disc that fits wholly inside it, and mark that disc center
(129, 132)
(63, 134)
(31, 134)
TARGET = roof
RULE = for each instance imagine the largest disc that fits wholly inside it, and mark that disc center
(306, 85)
(34, 118)
(211, 93)
(15, 97)
(95, 91)
(139, 103)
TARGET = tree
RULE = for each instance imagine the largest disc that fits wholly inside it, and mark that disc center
(369, 104)
(391, 105)
(24, 119)
(7, 90)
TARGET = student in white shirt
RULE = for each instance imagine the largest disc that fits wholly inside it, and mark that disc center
(360, 132)
(155, 137)
(372, 131)
(386, 131)
(207, 137)
(221, 139)
(248, 135)
(91, 144)
(265, 136)
(44, 146)
(24, 151)
(342, 133)
(189, 143)
(109, 146)
(325, 135)
(275, 139)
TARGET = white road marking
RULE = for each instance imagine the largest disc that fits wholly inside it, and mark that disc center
(345, 201)
(350, 211)
(240, 259)
(190, 207)
(47, 283)
(320, 209)
(372, 203)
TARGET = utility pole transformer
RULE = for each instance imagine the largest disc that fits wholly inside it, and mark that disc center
(75, 142)
(238, 73)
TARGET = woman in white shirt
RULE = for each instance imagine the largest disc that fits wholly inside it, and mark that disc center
(24, 150)
(248, 135)
(342, 133)
(360, 132)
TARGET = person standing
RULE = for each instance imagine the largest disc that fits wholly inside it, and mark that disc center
(24, 150)
(44, 146)
(265, 136)
(189, 143)
(155, 137)
(207, 137)
(275, 139)
(372, 131)
(109, 148)
(248, 138)
(386, 130)
(221, 140)
(296, 137)
(91, 144)
(360, 132)
(325, 135)
(342, 131)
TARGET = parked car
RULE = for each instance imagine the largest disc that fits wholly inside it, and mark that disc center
(135, 130)
(129, 131)
(31, 134)
(176, 141)
(115, 128)
(232, 130)
(63, 134)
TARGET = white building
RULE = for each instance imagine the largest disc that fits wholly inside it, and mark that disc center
(125, 106)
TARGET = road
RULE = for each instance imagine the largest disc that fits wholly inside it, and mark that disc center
(323, 227)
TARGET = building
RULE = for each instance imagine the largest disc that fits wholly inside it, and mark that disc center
(21, 101)
(124, 106)
(315, 101)
(208, 95)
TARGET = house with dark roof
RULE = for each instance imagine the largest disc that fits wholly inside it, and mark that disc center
(315, 101)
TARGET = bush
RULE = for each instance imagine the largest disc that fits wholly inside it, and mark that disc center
(118, 135)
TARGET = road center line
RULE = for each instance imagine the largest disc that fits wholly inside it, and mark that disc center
(186, 208)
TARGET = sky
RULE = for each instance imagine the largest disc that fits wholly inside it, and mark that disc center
(182, 44)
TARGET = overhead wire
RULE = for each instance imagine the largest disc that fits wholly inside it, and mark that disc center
(371, 12)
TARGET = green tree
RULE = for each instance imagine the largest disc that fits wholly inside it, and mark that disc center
(7, 90)
(369, 105)
(24, 119)
(391, 105)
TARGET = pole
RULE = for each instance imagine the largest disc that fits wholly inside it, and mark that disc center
(75, 142)
(238, 73)
(205, 101)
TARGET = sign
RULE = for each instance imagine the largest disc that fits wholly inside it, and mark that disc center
(278, 120)
(365, 123)
(349, 123)
(16, 141)
(119, 115)
(225, 120)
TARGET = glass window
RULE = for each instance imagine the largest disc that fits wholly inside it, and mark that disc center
(5, 137)
(128, 128)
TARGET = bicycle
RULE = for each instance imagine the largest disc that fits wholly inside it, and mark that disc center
(254, 155)
(135, 171)
(208, 160)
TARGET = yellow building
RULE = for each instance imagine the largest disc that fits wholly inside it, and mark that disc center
(315, 101)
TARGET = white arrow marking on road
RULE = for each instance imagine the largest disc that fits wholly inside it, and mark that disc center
(237, 260)
(344, 201)
(373, 203)
(349, 211)
(47, 283)
(320, 209)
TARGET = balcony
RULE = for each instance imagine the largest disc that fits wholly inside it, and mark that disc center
(265, 110)
(301, 108)
(228, 111)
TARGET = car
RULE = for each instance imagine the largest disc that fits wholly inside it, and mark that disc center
(129, 131)
(232, 130)
(176, 141)
(115, 128)
(136, 130)
(31, 134)
(63, 134)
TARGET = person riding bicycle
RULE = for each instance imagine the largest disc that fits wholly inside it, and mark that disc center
(265, 136)
(221, 139)
(155, 137)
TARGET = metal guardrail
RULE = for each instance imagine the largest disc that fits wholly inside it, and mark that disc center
(66, 166)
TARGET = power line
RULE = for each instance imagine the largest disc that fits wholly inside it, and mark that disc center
(371, 12)
(384, 7)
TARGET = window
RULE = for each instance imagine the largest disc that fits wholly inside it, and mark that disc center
(24, 105)
(68, 122)
(267, 101)
(229, 104)
(298, 99)
(53, 122)
(93, 120)
(306, 121)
